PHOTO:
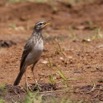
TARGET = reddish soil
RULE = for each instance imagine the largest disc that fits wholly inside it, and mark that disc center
(66, 46)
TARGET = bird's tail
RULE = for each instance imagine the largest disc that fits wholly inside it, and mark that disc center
(17, 81)
(22, 70)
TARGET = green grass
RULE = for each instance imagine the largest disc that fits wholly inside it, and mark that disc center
(2, 90)
(2, 101)
(51, 1)
(33, 97)
(37, 97)
(16, 1)
(78, 1)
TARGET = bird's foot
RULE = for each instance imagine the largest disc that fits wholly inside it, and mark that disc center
(28, 87)
(37, 85)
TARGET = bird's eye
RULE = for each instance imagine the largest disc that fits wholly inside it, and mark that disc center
(40, 24)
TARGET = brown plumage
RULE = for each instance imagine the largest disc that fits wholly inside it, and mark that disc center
(32, 50)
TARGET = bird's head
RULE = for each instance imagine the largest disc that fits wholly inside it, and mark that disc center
(41, 25)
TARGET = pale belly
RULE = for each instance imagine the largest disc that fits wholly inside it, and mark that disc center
(35, 54)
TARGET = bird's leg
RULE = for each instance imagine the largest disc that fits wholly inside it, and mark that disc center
(36, 82)
(26, 82)
(32, 69)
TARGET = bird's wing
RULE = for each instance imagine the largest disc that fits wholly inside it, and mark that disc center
(27, 50)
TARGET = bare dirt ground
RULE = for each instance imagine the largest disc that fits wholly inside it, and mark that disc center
(73, 47)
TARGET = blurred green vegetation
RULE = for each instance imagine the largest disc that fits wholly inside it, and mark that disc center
(41, 1)
(15, 1)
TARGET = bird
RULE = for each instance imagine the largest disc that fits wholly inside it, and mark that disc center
(32, 50)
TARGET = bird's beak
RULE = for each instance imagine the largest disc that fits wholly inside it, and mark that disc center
(46, 24)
